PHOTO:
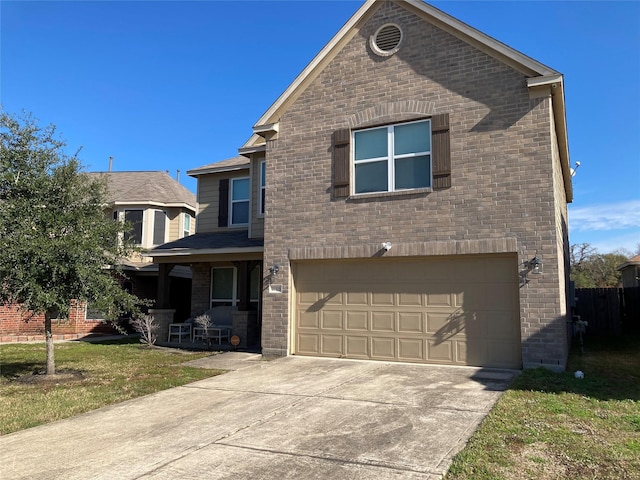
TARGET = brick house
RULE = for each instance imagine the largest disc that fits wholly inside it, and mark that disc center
(160, 210)
(404, 199)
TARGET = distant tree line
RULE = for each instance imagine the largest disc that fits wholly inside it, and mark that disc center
(591, 269)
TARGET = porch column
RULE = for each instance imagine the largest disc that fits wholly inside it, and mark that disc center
(244, 285)
(162, 300)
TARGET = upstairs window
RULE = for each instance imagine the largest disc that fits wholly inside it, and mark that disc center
(159, 227)
(392, 158)
(263, 184)
(186, 225)
(239, 204)
(134, 219)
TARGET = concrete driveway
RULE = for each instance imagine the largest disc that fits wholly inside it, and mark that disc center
(292, 418)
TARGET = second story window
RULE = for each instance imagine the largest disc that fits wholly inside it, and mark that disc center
(186, 225)
(134, 219)
(239, 204)
(159, 227)
(392, 158)
(263, 185)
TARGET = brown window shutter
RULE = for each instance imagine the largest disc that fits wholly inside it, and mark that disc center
(341, 141)
(441, 151)
(223, 202)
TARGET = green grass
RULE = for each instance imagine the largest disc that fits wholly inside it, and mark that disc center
(554, 426)
(108, 373)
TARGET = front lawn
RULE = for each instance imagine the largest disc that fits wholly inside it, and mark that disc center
(95, 375)
(555, 426)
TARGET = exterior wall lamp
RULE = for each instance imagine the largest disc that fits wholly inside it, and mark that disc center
(273, 270)
(535, 264)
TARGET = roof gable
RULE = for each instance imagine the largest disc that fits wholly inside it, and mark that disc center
(539, 76)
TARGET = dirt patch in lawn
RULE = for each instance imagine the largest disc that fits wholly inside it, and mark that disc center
(39, 377)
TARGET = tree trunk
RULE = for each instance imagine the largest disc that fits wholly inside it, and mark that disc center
(48, 335)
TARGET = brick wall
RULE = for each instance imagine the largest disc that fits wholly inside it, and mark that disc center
(14, 322)
(502, 169)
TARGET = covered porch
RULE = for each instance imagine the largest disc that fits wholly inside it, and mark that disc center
(227, 281)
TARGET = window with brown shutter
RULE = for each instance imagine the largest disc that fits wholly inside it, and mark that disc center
(441, 148)
(341, 167)
(223, 202)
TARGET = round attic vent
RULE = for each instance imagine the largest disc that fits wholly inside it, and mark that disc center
(386, 41)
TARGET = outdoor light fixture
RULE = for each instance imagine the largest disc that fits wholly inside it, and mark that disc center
(273, 270)
(535, 264)
(386, 246)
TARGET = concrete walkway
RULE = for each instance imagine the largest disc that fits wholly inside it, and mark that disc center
(292, 418)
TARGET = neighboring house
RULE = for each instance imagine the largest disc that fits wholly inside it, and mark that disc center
(160, 210)
(630, 272)
(404, 199)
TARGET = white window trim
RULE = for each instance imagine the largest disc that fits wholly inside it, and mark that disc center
(185, 232)
(232, 201)
(261, 188)
(145, 234)
(390, 159)
(234, 291)
(153, 225)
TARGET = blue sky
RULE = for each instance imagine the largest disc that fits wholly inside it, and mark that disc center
(163, 85)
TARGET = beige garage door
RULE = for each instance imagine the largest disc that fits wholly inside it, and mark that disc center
(460, 310)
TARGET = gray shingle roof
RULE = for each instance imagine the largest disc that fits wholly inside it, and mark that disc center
(145, 187)
(212, 240)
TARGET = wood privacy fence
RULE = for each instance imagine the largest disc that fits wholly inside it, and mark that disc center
(609, 311)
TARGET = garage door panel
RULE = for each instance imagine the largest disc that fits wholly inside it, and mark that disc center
(331, 320)
(331, 345)
(437, 271)
(409, 299)
(475, 325)
(440, 351)
(501, 354)
(308, 343)
(383, 322)
(308, 319)
(357, 298)
(411, 349)
(308, 298)
(501, 269)
(454, 310)
(440, 323)
(383, 347)
(410, 322)
(473, 297)
(475, 352)
(357, 320)
(435, 299)
(357, 346)
(499, 298)
(500, 326)
(333, 299)
(470, 270)
(382, 298)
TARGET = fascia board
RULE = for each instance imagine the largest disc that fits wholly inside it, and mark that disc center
(555, 83)
(153, 204)
(204, 171)
(185, 252)
(251, 150)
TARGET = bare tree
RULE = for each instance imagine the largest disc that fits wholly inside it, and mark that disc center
(147, 328)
